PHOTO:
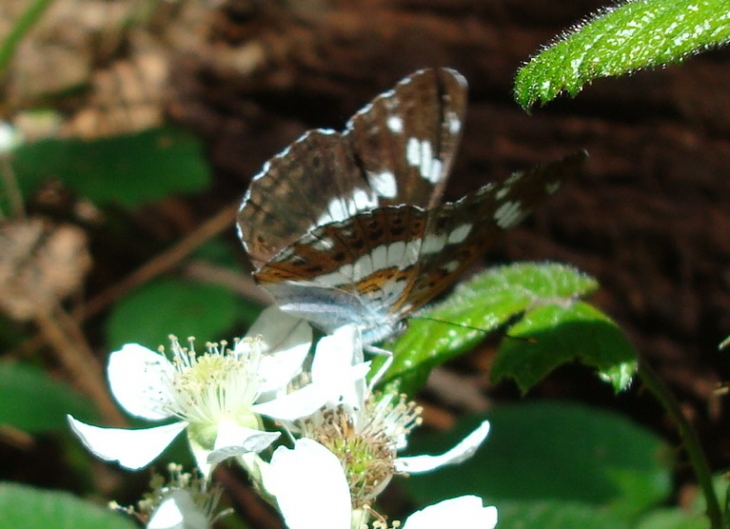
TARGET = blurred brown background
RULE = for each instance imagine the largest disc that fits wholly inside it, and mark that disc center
(649, 218)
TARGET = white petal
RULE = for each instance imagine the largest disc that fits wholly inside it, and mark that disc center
(338, 364)
(287, 341)
(312, 397)
(201, 456)
(464, 512)
(337, 352)
(178, 511)
(137, 378)
(310, 487)
(234, 440)
(132, 449)
(461, 452)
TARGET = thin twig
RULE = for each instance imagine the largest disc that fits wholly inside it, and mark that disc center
(26, 21)
(689, 439)
(61, 332)
(165, 261)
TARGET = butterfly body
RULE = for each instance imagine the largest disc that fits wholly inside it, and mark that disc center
(348, 228)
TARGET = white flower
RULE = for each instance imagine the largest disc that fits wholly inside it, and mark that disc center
(185, 501)
(337, 375)
(214, 396)
(366, 430)
(466, 512)
(10, 138)
(311, 491)
(178, 511)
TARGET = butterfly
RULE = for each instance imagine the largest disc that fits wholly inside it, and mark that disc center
(348, 227)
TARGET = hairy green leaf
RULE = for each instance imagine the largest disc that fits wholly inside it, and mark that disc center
(639, 34)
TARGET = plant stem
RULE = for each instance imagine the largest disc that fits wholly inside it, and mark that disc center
(689, 439)
(26, 21)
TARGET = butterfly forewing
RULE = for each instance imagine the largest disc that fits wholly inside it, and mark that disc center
(406, 138)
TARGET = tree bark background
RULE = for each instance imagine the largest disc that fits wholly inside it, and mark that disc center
(649, 218)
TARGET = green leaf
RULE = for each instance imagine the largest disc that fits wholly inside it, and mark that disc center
(555, 451)
(33, 402)
(476, 309)
(170, 306)
(29, 508)
(128, 170)
(555, 334)
(639, 34)
(673, 519)
(558, 514)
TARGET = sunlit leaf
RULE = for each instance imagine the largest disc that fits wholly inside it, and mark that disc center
(634, 35)
(556, 334)
(477, 308)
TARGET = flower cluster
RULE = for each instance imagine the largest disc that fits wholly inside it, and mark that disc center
(340, 442)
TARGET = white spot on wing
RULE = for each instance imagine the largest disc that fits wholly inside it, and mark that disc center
(552, 187)
(324, 244)
(451, 266)
(412, 252)
(426, 159)
(509, 214)
(361, 200)
(395, 254)
(419, 153)
(454, 123)
(513, 178)
(395, 124)
(341, 276)
(436, 170)
(362, 267)
(499, 195)
(336, 210)
(459, 234)
(413, 152)
(379, 257)
(384, 184)
(433, 244)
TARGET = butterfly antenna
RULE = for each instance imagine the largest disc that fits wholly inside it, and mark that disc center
(461, 325)
(511, 321)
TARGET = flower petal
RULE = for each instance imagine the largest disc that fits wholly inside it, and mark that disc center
(466, 512)
(304, 402)
(310, 487)
(132, 449)
(461, 452)
(337, 352)
(178, 511)
(137, 377)
(287, 340)
(234, 440)
(338, 366)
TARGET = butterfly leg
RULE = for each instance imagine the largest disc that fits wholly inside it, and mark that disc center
(384, 368)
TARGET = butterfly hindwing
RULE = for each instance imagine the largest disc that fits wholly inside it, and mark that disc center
(458, 233)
